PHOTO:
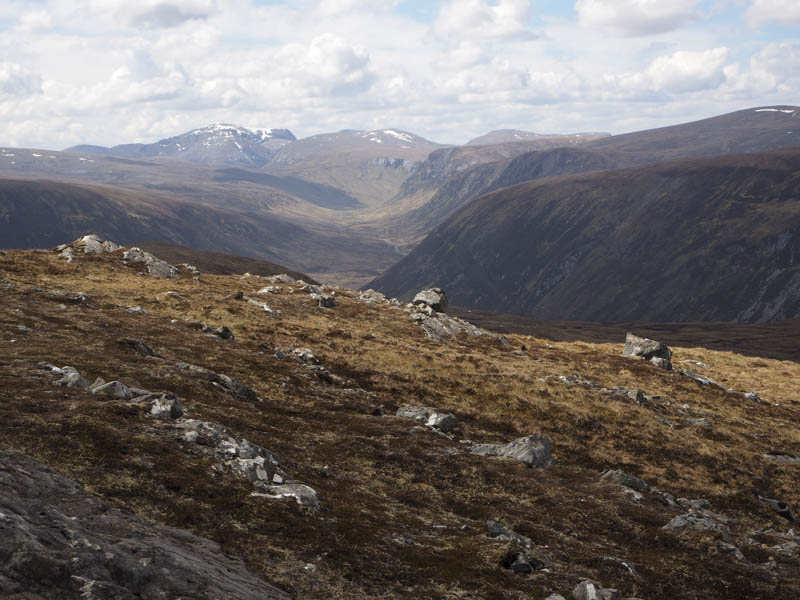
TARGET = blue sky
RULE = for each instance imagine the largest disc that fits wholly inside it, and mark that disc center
(115, 71)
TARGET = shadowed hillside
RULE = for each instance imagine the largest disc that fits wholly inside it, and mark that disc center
(702, 240)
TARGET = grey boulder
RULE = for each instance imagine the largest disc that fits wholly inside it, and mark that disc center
(155, 266)
(112, 389)
(532, 450)
(648, 350)
(623, 478)
(589, 590)
(430, 417)
(72, 379)
(166, 406)
(326, 301)
(436, 298)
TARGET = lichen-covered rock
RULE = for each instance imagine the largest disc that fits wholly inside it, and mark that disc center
(436, 298)
(532, 450)
(648, 350)
(430, 417)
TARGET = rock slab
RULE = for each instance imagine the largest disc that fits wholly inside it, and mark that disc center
(59, 542)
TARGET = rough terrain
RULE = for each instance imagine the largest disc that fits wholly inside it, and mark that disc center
(287, 450)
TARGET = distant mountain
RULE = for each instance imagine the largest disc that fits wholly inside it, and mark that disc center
(503, 136)
(453, 177)
(693, 240)
(368, 165)
(216, 144)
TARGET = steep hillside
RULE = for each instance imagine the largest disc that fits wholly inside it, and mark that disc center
(703, 240)
(455, 177)
(248, 451)
(216, 144)
(45, 213)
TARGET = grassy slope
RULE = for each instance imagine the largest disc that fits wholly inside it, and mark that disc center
(403, 509)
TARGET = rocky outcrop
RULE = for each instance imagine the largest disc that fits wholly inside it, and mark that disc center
(436, 298)
(245, 459)
(532, 450)
(650, 350)
(59, 542)
(155, 266)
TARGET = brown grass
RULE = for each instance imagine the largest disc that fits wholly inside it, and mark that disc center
(404, 509)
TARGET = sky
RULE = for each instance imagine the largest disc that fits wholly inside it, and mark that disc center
(117, 71)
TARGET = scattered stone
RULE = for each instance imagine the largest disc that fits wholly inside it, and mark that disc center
(576, 379)
(589, 590)
(555, 597)
(782, 457)
(235, 296)
(166, 406)
(648, 349)
(302, 494)
(311, 289)
(704, 521)
(699, 504)
(731, 549)
(430, 417)
(191, 268)
(155, 266)
(113, 389)
(232, 386)
(236, 454)
(93, 244)
(533, 450)
(497, 531)
(780, 508)
(627, 480)
(138, 346)
(327, 301)
(435, 298)
(136, 310)
(282, 278)
(621, 564)
(221, 332)
(270, 289)
(697, 422)
(262, 305)
(305, 355)
(696, 363)
(372, 297)
(517, 560)
(72, 379)
(753, 396)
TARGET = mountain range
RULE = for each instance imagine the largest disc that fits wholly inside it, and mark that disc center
(372, 208)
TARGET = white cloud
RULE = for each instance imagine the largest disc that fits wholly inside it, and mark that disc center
(685, 71)
(327, 65)
(480, 19)
(18, 82)
(635, 17)
(785, 12)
